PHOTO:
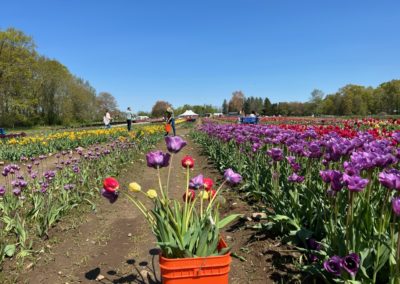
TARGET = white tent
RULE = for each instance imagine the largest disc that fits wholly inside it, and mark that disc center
(188, 113)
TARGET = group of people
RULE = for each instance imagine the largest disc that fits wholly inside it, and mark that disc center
(169, 118)
(129, 117)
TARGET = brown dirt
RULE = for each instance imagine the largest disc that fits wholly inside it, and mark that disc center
(116, 243)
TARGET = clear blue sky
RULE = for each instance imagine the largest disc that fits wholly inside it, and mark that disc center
(201, 51)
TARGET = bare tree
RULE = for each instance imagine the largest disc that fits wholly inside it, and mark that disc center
(106, 101)
(237, 101)
(159, 108)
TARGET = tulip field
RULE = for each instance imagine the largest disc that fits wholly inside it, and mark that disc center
(49, 176)
(330, 189)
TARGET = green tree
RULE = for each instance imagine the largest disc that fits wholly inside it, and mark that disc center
(225, 107)
(267, 110)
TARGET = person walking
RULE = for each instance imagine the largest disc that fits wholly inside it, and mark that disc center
(129, 116)
(171, 120)
(107, 120)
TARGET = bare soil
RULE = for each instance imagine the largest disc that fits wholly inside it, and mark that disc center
(114, 244)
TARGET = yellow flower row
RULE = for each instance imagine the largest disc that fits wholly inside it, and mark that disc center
(82, 134)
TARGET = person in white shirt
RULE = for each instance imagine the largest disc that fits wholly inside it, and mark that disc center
(107, 120)
(129, 116)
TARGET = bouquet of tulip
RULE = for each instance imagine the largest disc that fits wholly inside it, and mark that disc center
(187, 229)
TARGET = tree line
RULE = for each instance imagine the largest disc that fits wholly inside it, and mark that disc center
(38, 90)
(349, 100)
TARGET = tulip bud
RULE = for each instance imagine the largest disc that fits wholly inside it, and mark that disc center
(208, 183)
(135, 187)
(110, 184)
(152, 193)
(187, 161)
(204, 195)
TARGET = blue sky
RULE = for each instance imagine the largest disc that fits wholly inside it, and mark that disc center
(201, 51)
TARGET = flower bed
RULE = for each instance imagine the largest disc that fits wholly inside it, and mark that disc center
(33, 198)
(15, 148)
(334, 197)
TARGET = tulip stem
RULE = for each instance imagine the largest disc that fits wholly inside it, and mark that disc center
(201, 204)
(149, 218)
(159, 182)
(169, 174)
(398, 251)
(185, 217)
(215, 195)
(190, 211)
(349, 220)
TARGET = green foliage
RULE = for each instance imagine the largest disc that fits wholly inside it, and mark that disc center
(349, 100)
(199, 109)
(37, 90)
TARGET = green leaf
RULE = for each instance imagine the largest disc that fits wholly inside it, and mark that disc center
(228, 220)
(9, 250)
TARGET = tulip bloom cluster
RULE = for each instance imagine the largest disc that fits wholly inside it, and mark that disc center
(188, 229)
(342, 190)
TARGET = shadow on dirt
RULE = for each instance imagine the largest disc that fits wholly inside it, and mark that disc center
(143, 272)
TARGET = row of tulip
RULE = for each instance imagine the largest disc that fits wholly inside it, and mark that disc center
(345, 127)
(35, 194)
(28, 146)
(334, 197)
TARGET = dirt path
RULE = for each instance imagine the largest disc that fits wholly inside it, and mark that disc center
(115, 244)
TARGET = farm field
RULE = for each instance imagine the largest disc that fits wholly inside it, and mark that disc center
(309, 199)
(199, 142)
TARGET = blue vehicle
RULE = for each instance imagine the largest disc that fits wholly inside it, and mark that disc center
(249, 120)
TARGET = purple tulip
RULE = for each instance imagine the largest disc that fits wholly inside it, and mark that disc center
(196, 182)
(232, 177)
(69, 186)
(355, 183)
(396, 205)
(44, 186)
(325, 175)
(396, 136)
(295, 178)
(2, 190)
(76, 169)
(49, 175)
(157, 159)
(390, 179)
(351, 263)
(276, 154)
(111, 196)
(292, 162)
(175, 143)
(333, 265)
(16, 191)
(335, 178)
(312, 244)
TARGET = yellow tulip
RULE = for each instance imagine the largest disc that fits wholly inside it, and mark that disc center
(135, 187)
(151, 193)
(204, 194)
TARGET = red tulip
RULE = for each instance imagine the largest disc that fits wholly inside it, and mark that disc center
(191, 195)
(187, 161)
(110, 184)
(208, 183)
